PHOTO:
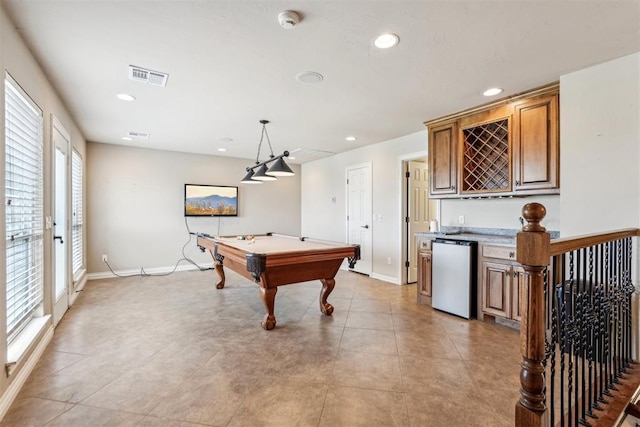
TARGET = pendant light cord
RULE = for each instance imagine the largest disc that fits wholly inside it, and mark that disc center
(262, 135)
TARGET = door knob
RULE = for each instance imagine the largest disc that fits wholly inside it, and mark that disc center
(58, 238)
(364, 226)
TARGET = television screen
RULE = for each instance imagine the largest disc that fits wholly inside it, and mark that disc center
(210, 200)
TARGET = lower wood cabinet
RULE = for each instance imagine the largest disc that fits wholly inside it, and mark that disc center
(501, 282)
(424, 277)
(496, 289)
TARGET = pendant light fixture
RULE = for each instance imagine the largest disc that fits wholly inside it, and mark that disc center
(264, 173)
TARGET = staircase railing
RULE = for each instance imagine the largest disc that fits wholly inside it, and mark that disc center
(576, 329)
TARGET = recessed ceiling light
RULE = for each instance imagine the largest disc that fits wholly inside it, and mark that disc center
(385, 41)
(291, 158)
(351, 138)
(126, 138)
(309, 77)
(222, 150)
(126, 97)
(493, 91)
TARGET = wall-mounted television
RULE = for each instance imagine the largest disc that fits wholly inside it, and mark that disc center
(210, 200)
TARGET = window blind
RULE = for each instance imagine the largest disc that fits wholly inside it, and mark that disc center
(23, 206)
(77, 221)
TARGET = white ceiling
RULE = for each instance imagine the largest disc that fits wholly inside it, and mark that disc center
(230, 64)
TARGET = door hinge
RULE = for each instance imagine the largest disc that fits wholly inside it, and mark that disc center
(406, 263)
(407, 174)
(406, 219)
(347, 217)
(347, 181)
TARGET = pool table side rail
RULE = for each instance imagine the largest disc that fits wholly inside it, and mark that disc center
(282, 267)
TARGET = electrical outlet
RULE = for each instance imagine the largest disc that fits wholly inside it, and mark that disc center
(389, 260)
(104, 258)
(461, 219)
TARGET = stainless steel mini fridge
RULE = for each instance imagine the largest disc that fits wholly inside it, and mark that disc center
(454, 277)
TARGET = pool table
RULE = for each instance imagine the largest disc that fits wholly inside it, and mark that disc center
(273, 260)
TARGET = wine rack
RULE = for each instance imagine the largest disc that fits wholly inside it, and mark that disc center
(485, 161)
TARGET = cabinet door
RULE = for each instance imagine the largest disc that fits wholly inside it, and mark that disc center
(535, 142)
(443, 165)
(424, 277)
(518, 285)
(496, 289)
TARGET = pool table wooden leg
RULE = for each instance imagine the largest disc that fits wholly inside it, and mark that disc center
(220, 270)
(327, 288)
(268, 296)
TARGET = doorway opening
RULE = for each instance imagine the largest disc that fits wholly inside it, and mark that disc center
(417, 210)
(359, 208)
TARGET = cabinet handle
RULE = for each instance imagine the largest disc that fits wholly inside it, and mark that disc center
(428, 260)
(512, 254)
(517, 183)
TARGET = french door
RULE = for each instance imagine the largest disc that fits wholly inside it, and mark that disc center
(61, 238)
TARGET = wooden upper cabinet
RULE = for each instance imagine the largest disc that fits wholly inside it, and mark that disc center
(535, 144)
(443, 159)
(509, 147)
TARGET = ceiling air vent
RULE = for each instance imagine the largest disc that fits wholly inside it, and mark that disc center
(143, 75)
(134, 134)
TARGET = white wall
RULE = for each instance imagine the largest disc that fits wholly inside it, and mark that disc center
(135, 206)
(600, 161)
(498, 213)
(18, 61)
(600, 147)
(324, 179)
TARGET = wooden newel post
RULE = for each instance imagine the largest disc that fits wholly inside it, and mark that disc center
(533, 249)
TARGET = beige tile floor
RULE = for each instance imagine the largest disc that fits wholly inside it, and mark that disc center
(174, 351)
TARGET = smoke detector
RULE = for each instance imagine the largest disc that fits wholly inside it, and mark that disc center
(288, 19)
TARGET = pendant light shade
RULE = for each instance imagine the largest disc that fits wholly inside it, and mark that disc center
(280, 168)
(248, 179)
(260, 172)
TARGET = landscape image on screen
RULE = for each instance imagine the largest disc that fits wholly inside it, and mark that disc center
(210, 200)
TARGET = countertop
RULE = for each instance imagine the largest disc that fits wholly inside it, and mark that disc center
(501, 236)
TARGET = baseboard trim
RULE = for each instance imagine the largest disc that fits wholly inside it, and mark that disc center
(156, 270)
(77, 289)
(384, 278)
(16, 385)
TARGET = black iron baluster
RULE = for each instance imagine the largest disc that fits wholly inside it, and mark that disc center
(582, 319)
(554, 343)
(607, 319)
(618, 314)
(568, 325)
(597, 336)
(590, 320)
(597, 330)
(631, 290)
(562, 306)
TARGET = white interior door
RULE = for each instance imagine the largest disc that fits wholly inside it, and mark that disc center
(61, 239)
(359, 214)
(418, 212)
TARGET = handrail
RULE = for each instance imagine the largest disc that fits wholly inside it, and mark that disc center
(566, 244)
(534, 250)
